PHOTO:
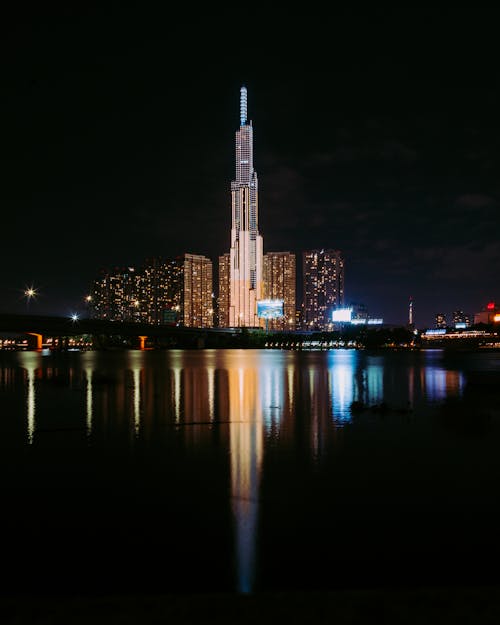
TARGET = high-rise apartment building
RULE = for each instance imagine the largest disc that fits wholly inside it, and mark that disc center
(161, 288)
(245, 270)
(197, 295)
(323, 287)
(115, 295)
(279, 283)
(223, 301)
(164, 291)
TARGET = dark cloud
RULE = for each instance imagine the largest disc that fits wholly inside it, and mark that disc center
(386, 151)
(475, 202)
(462, 263)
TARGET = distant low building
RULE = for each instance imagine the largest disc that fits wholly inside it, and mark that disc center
(440, 320)
(489, 314)
(460, 319)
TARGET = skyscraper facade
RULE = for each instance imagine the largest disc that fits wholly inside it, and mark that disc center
(197, 297)
(115, 295)
(279, 283)
(323, 284)
(223, 301)
(161, 288)
(178, 290)
(245, 255)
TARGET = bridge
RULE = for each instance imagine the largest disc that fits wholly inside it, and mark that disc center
(64, 332)
(58, 332)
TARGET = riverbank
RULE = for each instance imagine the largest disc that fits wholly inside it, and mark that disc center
(409, 606)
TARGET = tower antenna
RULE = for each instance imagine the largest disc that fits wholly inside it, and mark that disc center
(243, 106)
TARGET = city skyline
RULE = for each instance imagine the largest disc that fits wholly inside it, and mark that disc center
(368, 141)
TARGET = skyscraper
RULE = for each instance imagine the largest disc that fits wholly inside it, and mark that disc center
(164, 291)
(245, 255)
(279, 283)
(196, 301)
(161, 289)
(115, 295)
(323, 275)
(223, 301)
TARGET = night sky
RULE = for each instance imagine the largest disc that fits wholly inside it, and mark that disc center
(376, 133)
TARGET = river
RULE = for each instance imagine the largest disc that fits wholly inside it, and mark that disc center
(248, 470)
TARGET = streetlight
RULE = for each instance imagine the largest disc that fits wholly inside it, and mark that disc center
(30, 293)
(74, 317)
(88, 299)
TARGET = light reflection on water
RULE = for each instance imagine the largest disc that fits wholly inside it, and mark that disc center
(246, 451)
(89, 400)
(440, 384)
(256, 395)
(136, 359)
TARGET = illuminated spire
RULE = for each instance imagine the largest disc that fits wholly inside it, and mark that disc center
(246, 256)
(243, 106)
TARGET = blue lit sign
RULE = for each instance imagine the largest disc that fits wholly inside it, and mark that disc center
(270, 308)
(342, 315)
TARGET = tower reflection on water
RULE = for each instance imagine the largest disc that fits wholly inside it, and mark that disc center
(255, 398)
(246, 449)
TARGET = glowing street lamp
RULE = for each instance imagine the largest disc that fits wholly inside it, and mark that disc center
(74, 317)
(30, 293)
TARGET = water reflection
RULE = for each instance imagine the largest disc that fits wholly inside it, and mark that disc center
(440, 383)
(272, 388)
(136, 364)
(246, 402)
(315, 407)
(30, 361)
(211, 392)
(341, 378)
(176, 387)
(30, 370)
(246, 448)
(89, 400)
(374, 381)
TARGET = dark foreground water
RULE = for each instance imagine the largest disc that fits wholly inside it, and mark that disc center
(247, 470)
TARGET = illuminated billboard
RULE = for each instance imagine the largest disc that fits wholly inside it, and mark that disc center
(270, 308)
(342, 315)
